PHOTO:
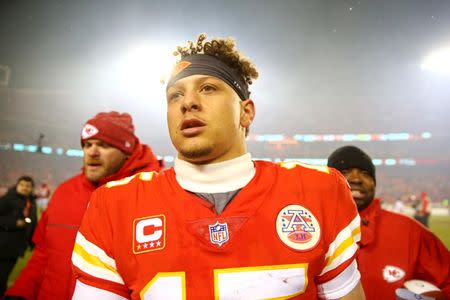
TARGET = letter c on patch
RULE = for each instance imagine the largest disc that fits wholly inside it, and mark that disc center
(141, 237)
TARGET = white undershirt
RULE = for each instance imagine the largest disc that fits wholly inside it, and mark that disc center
(221, 177)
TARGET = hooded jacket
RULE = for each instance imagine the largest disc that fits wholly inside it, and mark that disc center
(48, 274)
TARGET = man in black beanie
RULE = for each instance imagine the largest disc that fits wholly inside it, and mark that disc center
(359, 170)
(394, 248)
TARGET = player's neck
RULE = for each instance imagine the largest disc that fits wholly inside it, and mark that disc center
(220, 177)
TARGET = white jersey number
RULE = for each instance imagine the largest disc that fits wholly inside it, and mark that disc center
(266, 282)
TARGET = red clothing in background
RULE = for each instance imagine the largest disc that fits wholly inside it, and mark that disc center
(48, 274)
(395, 248)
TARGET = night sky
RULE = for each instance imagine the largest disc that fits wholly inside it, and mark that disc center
(325, 66)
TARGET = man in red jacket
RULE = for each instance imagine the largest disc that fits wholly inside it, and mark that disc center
(394, 248)
(111, 151)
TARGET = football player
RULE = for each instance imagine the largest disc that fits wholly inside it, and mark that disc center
(219, 225)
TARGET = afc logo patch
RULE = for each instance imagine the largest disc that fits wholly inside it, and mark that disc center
(298, 228)
(149, 234)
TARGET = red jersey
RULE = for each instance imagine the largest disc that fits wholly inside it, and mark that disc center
(288, 230)
(396, 248)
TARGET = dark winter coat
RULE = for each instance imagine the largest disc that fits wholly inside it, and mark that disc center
(13, 240)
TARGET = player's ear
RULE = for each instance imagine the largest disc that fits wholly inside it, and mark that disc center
(247, 113)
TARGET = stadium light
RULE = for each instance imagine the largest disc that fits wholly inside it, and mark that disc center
(143, 67)
(438, 61)
(410, 162)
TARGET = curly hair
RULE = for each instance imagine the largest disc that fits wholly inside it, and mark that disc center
(224, 50)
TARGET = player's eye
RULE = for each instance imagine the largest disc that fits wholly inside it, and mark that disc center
(345, 172)
(208, 88)
(174, 96)
(104, 145)
(365, 173)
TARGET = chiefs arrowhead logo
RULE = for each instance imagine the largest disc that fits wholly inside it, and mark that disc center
(88, 131)
(392, 273)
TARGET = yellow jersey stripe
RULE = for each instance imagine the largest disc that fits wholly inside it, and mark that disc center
(95, 271)
(340, 249)
(94, 250)
(344, 245)
(91, 259)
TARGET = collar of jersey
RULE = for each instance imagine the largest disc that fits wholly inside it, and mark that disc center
(220, 177)
(370, 216)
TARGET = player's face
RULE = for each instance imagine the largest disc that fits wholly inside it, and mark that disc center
(24, 188)
(362, 186)
(101, 160)
(207, 119)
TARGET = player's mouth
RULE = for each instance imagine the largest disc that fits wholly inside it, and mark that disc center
(192, 127)
(93, 166)
(357, 192)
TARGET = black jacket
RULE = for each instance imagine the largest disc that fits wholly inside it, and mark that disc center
(14, 241)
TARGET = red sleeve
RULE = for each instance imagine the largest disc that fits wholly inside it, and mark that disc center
(28, 283)
(344, 229)
(93, 258)
(433, 261)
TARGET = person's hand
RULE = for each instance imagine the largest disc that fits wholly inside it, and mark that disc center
(20, 223)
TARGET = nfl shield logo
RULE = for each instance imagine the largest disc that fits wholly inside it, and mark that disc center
(218, 233)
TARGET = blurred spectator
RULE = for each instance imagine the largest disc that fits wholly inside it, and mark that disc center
(17, 222)
(399, 207)
(43, 195)
(445, 204)
(422, 213)
(111, 152)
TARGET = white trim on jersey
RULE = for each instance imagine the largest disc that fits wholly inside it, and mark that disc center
(340, 285)
(94, 250)
(95, 271)
(84, 291)
(92, 260)
(344, 246)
